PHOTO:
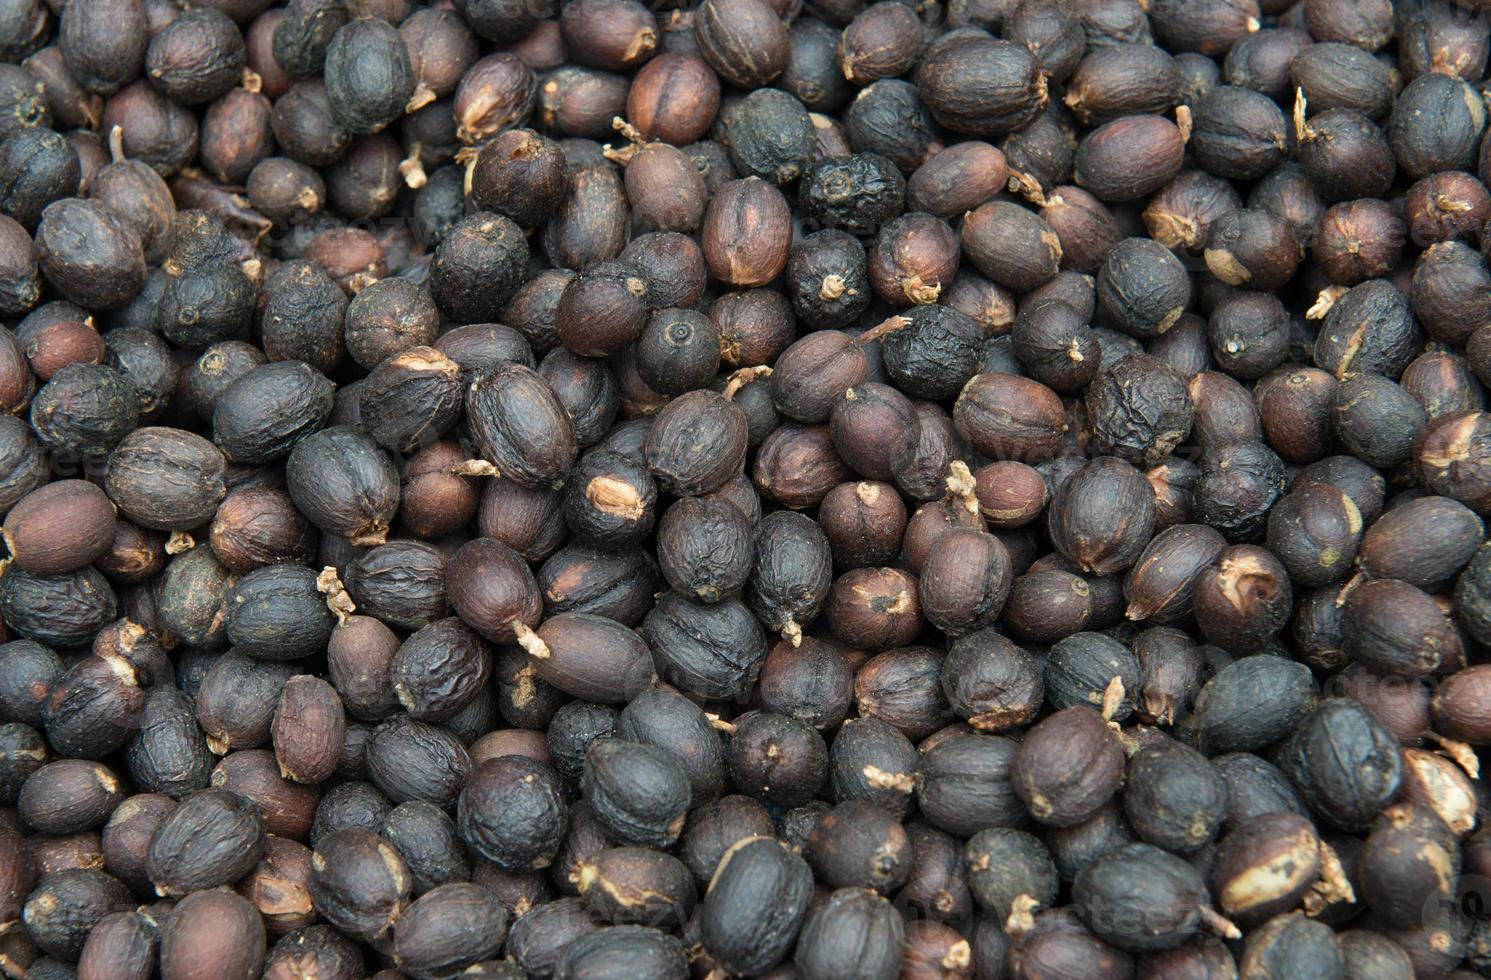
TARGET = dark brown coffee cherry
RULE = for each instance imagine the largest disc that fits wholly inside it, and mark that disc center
(59, 527)
(602, 310)
(67, 796)
(477, 267)
(1103, 516)
(1159, 586)
(1075, 740)
(964, 584)
(1121, 80)
(1420, 639)
(1422, 542)
(914, 256)
(992, 683)
(95, 707)
(1012, 246)
(449, 927)
(743, 40)
(166, 479)
(520, 174)
(977, 85)
(1238, 133)
(520, 427)
(778, 760)
(1129, 158)
(197, 57)
(88, 254)
(694, 420)
(654, 104)
(957, 179)
(747, 231)
(359, 883)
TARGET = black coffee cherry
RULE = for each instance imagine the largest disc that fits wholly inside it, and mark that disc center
(1376, 419)
(1174, 797)
(633, 950)
(1139, 409)
(638, 793)
(713, 650)
(515, 838)
(1249, 334)
(610, 500)
(935, 354)
(369, 78)
(1347, 785)
(261, 415)
(1434, 125)
(778, 760)
(1054, 343)
(1164, 892)
(198, 57)
(824, 947)
(1238, 133)
(678, 351)
(755, 904)
(965, 784)
(213, 838)
(477, 267)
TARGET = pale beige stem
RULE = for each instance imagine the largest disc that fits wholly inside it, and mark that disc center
(743, 377)
(474, 467)
(1022, 917)
(531, 642)
(1219, 924)
(883, 329)
(337, 599)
